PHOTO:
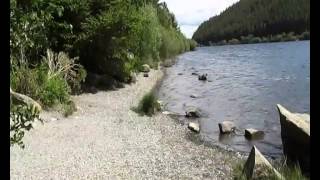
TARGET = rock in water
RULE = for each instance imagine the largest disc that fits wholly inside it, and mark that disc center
(194, 73)
(203, 77)
(295, 135)
(193, 96)
(159, 105)
(180, 74)
(194, 127)
(166, 112)
(226, 127)
(145, 75)
(258, 167)
(193, 112)
(253, 133)
(145, 68)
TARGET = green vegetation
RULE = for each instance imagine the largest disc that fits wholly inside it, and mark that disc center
(286, 171)
(148, 105)
(68, 108)
(55, 44)
(68, 38)
(259, 21)
(21, 119)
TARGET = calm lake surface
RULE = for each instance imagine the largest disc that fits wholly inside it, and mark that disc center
(245, 84)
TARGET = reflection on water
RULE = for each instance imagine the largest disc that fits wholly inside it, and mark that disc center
(245, 82)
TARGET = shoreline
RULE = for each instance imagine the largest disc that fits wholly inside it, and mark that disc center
(105, 139)
(230, 44)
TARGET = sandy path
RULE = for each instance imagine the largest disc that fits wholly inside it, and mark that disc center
(104, 139)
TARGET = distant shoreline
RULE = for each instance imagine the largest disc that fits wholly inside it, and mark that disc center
(250, 39)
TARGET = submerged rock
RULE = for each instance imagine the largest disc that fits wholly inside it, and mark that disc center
(194, 73)
(295, 135)
(180, 74)
(251, 133)
(145, 68)
(194, 127)
(258, 167)
(193, 112)
(226, 127)
(203, 77)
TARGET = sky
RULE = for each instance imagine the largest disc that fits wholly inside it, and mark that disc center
(191, 13)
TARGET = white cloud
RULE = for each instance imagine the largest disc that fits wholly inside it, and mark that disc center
(191, 13)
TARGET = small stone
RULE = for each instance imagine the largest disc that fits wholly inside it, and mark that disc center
(202, 77)
(194, 127)
(194, 73)
(253, 133)
(180, 74)
(226, 127)
(166, 112)
(133, 77)
(145, 75)
(145, 68)
(192, 112)
(193, 96)
(53, 119)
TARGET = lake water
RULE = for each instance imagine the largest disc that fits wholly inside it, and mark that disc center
(245, 84)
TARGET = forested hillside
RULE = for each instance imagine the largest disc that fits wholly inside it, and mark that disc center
(55, 44)
(257, 18)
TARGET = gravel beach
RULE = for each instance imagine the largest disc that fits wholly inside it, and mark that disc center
(105, 139)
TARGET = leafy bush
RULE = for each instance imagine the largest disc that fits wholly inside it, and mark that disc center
(36, 84)
(27, 31)
(21, 119)
(107, 42)
(59, 64)
(149, 43)
(305, 35)
(54, 91)
(193, 44)
(27, 80)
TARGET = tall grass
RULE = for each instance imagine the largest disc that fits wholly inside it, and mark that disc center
(288, 172)
(148, 105)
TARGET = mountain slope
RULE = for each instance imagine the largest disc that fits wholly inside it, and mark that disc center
(256, 17)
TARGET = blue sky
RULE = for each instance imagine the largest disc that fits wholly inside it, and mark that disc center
(191, 13)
